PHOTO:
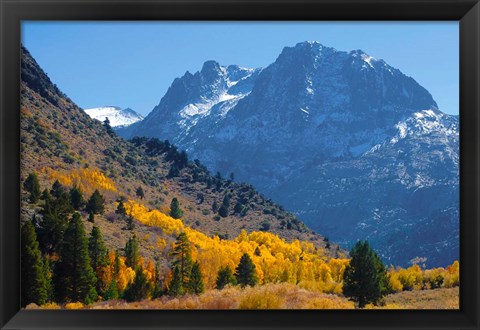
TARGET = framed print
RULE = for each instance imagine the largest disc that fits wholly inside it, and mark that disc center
(239, 164)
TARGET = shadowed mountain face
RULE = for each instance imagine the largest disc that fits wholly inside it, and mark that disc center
(353, 146)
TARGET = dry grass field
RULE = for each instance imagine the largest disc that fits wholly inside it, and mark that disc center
(280, 296)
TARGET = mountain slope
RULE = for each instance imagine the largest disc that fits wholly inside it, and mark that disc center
(209, 93)
(59, 141)
(320, 127)
(117, 116)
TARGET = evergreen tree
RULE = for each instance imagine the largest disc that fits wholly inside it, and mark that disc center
(112, 291)
(96, 203)
(182, 254)
(131, 252)
(223, 211)
(52, 226)
(45, 194)
(173, 172)
(74, 277)
(140, 193)
(76, 198)
(176, 287)
(195, 283)
(108, 127)
(214, 206)
(245, 271)
(140, 288)
(33, 282)
(57, 189)
(238, 207)
(47, 273)
(91, 217)
(182, 159)
(365, 279)
(121, 210)
(33, 187)
(158, 284)
(130, 223)
(224, 277)
(98, 255)
(175, 211)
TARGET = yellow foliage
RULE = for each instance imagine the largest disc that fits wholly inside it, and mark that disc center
(125, 275)
(261, 299)
(414, 278)
(50, 305)
(275, 261)
(395, 283)
(161, 244)
(86, 179)
(74, 305)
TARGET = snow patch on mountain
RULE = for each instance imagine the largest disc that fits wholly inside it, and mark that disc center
(117, 116)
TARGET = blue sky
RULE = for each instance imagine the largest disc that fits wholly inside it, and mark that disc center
(132, 64)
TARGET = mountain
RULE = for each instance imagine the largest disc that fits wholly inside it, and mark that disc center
(117, 116)
(347, 142)
(206, 95)
(59, 141)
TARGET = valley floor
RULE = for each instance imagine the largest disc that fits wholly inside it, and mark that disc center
(284, 296)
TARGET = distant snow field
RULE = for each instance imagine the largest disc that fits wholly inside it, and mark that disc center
(117, 116)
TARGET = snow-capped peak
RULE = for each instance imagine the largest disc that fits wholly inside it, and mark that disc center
(117, 116)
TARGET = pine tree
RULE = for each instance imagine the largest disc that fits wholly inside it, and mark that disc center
(158, 284)
(52, 226)
(173, 172)
(112, 291)
(224, 277)
(365, 279)
(130, 223)
(140, 193)
(176, 287)
(34, 284)
(121, 210)
(214, 206)
(47, 273)
(223, 211)
(245, 271)
(175, 211)
(182, 254)
(57, 189)
(33, 187)
(106, 124)
(91, 217)
(98, 256)
(131, 252)
(140, 288)
(74, 277)
(195, 283)
(96, 203)
(76, 198)
(238, 207)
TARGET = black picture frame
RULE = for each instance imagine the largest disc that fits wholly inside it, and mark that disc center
(467, 12)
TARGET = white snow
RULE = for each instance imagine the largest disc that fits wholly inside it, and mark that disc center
(116, 115)
(368, 59)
